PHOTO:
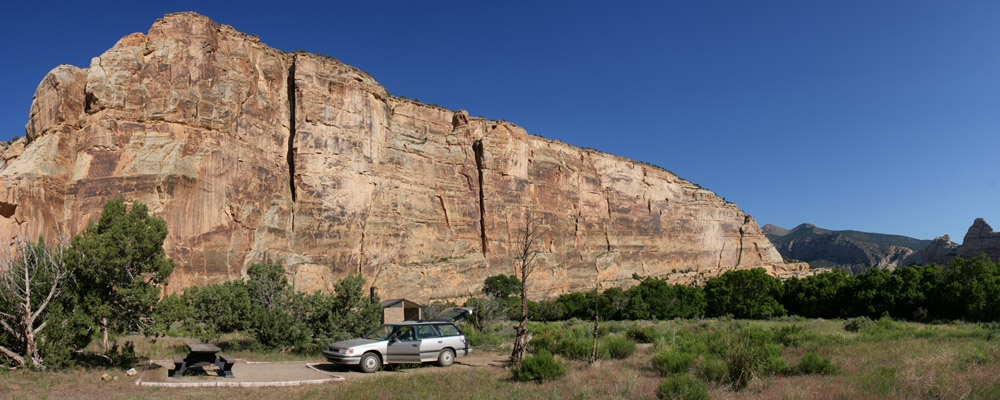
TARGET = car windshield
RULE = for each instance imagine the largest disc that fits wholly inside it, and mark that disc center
(380, 333)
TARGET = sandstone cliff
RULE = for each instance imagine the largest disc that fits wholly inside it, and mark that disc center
(979, 239)
(253, 154)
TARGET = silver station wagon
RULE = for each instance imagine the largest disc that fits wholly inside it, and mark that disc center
(407, 342)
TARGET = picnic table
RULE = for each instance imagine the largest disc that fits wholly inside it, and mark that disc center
(201, 353)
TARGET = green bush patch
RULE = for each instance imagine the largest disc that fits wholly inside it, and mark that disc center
(682, 387)
(540, 367)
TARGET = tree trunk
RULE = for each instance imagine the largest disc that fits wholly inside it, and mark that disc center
(104, 327)
(521, 338)
(31, 349)
(593, 354)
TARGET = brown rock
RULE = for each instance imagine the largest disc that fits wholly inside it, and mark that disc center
(252, 155)
(941, 251)
(980, 239)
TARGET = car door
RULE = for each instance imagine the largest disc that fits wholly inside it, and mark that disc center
(403, 347)
(431, 342)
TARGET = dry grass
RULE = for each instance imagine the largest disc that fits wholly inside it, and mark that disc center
(939, 362)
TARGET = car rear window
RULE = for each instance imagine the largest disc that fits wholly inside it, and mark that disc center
(449, 330)
(426, 332)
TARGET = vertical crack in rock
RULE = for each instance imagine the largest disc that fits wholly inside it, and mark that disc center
(723, 249)
(364, 228)
(290, 157)
(607, 235)
(445, 211)
(739, 256)
(477, 147)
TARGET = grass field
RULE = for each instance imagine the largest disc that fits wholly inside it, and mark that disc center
(888, 359)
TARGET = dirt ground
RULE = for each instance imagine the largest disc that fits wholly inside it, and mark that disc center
(289, 372)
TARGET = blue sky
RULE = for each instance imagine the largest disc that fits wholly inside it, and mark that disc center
(875, 116)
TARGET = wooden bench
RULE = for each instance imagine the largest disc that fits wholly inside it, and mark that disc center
(226, 369)
(178, 366)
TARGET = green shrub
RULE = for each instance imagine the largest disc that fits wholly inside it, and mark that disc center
(857, 324)
(788, 335)
(615, 327)
(618, 347)
(547, 340)
(279, 329)
(668, 362)
(501, 286)
(481, 339)
(711, 369)
(746, 293)
(545, 310)
(749, 356)
(123, 357)
(540, 367)
(580, 349)
(812, 363)
(775, 364)
(887, 329)
(681, 387)
(642, 334)
(992, 329)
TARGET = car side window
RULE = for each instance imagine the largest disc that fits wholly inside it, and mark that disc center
(449, 330)
(405, 334)
(426, 332)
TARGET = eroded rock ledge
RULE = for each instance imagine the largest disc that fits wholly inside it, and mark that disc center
(252, 154)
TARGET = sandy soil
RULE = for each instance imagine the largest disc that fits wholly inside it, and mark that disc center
(250, 371)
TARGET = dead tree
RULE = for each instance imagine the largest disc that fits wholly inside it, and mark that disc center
(31, 275)
(525, 253)
(597, 319)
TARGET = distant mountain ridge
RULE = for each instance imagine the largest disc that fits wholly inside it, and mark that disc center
(854, 251)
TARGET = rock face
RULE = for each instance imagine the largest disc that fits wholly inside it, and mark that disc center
(941, 251)
(251, 154)
(980, 239)
(853, 251)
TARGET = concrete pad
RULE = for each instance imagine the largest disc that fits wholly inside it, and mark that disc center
(252, 374)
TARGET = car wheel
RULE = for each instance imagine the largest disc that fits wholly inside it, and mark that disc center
(446, 358)
(370, 362)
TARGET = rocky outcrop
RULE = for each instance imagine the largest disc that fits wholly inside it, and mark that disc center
(251, 155)
(979, 239)
(941, 251)
(853, 251)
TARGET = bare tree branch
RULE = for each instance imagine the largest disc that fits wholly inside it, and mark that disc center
(10, 330)
(12, 355)
(525, 248)
(25, 267)
(40, 327)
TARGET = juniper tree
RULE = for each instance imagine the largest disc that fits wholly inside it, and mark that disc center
(119, 267)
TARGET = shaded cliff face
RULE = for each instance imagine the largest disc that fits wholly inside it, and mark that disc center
(251, 154)
(852, 251)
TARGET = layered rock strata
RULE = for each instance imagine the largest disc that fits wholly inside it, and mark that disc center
(853, 251)
(251, 154)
